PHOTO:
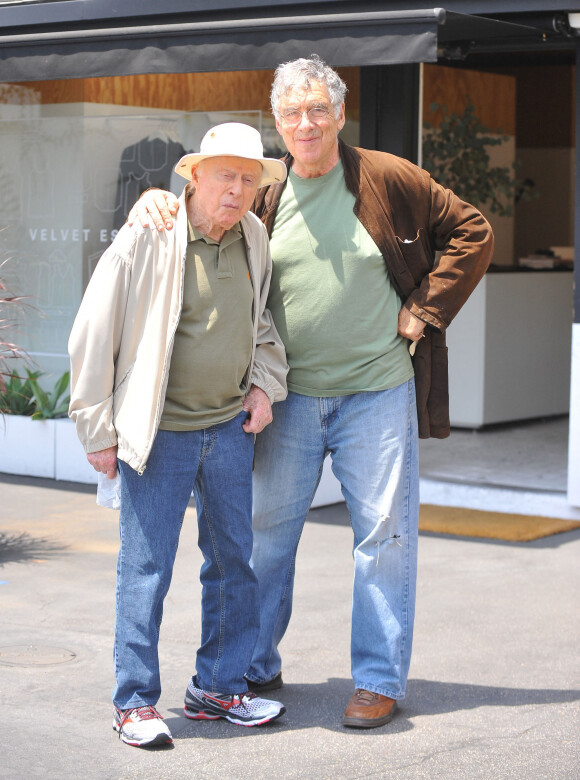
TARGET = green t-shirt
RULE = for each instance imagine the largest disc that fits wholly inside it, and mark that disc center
(213, 342)
(330, 297)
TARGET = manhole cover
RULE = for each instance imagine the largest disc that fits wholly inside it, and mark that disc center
(34, 655)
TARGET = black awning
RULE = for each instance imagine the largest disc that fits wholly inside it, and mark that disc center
(462, 34)
(368, 38)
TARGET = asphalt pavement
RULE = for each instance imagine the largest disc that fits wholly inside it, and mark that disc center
(494, 686)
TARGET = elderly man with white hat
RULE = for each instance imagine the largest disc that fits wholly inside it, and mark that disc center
(175, 364)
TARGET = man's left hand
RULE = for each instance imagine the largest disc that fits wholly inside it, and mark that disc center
(409, 326)
(259, 409)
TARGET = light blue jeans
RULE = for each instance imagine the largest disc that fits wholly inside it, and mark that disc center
(373, 442)
(217, 464)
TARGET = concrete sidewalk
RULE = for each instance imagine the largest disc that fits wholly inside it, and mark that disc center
(494, 688)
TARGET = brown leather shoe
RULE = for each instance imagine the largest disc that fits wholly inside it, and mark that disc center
(367, 710)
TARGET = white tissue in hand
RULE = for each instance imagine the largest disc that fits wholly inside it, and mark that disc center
(109, 491)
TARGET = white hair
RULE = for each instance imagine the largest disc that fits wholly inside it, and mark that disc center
(299, 73)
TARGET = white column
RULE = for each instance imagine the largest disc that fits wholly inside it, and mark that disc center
(574, 442)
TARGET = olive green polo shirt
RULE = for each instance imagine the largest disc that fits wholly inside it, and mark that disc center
(213, 342)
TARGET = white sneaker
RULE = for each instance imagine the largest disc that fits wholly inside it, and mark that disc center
(243, 709)
(141, 726)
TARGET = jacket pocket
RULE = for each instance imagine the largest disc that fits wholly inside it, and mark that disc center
(416, 254)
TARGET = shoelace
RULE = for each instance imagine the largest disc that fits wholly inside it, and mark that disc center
(146, 712)
(367, 696)
(244, 698)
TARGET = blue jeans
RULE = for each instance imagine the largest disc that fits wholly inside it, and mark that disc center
(217, 464)
(373, 442)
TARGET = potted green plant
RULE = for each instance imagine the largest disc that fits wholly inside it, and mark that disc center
(36, 436)
(17, 395)
(456, 154)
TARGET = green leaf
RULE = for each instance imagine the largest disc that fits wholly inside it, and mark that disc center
(51, 405)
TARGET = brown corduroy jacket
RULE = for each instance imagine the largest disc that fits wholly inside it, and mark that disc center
(436, 248)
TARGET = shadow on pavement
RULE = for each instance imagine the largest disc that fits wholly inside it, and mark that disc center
(51, 484)
(322, 705)
(24, 548)
(430, 697)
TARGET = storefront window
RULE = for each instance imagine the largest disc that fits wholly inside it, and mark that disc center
(74, 157)
(67, 184)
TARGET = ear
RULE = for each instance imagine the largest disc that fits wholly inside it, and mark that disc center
(341, 118)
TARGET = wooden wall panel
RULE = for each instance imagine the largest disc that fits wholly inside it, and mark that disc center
(492, 95)
(63, 91)
(235, 91)
(231, 91)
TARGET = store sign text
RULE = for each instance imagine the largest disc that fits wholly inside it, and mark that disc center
(70, 234)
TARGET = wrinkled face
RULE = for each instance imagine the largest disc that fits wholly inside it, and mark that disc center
(225, 188)
(312, 141)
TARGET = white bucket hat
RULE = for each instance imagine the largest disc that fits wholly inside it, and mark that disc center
(234, 139)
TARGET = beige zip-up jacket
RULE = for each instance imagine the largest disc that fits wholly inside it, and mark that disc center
(122, 338)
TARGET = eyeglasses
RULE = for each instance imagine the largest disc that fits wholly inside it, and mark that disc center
(315, 114)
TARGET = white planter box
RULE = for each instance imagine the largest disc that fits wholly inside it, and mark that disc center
(51, 449)
(27, 446)
(43, 448)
